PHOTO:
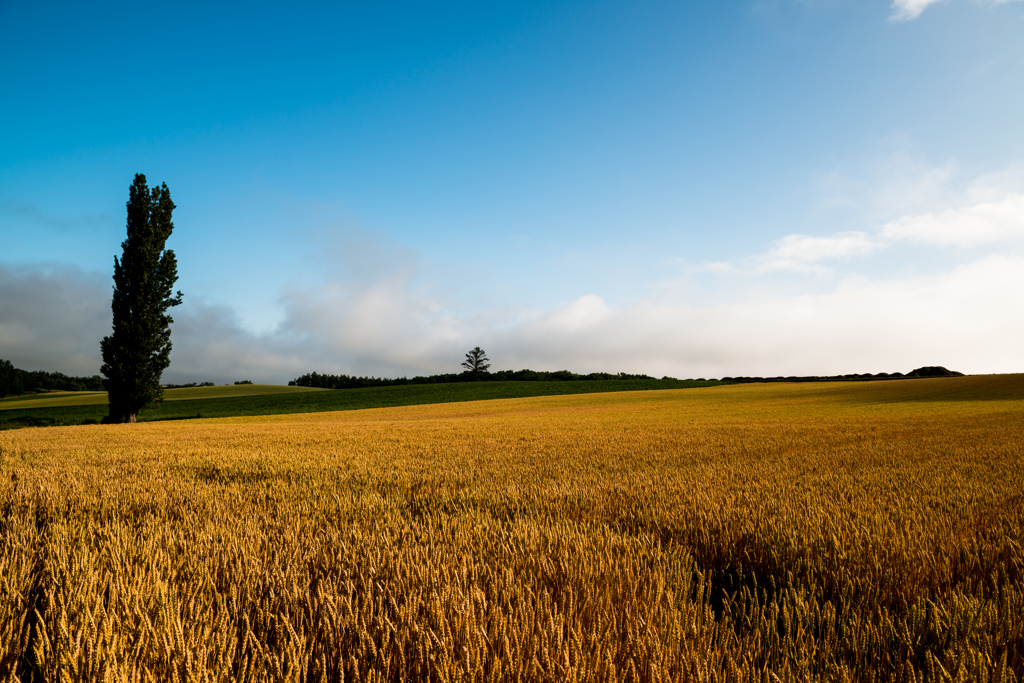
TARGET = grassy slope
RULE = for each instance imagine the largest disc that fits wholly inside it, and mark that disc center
(253, 403)
(65, 399)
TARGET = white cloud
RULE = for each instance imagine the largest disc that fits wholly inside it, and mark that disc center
(906, 10)
(958, 319)
(990, 214)
(968, 226)
(961, 319)
(803, 253)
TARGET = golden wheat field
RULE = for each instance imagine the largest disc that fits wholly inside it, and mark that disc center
(785, 532)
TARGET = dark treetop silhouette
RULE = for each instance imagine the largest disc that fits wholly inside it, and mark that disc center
(138, 350)
(476, 361)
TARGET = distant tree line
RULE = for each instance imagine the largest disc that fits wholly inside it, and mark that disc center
(15, 382)
(192, 385)
(326, 381)
(929, 371)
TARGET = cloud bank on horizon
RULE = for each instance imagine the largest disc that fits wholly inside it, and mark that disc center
(962, 316)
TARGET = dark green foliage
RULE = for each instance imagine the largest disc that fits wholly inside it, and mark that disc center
(14, 381)
(244, 381)
(476, 362)
(920, 372)
(314, 379)
(138, 350)
(7, 374)
(58, 420)
(934, 371)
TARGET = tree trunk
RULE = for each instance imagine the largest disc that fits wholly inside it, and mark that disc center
(131, 418)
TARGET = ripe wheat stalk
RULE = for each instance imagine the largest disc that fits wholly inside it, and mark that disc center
(755, 533)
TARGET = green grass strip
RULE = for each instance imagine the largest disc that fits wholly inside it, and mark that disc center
(336, 399)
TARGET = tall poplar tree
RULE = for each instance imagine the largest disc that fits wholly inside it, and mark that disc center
(138, 350)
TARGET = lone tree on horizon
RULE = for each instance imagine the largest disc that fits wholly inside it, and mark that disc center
(138, 350)
(476, 361)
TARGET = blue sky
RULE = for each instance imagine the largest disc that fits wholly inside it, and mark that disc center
(693, 189)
